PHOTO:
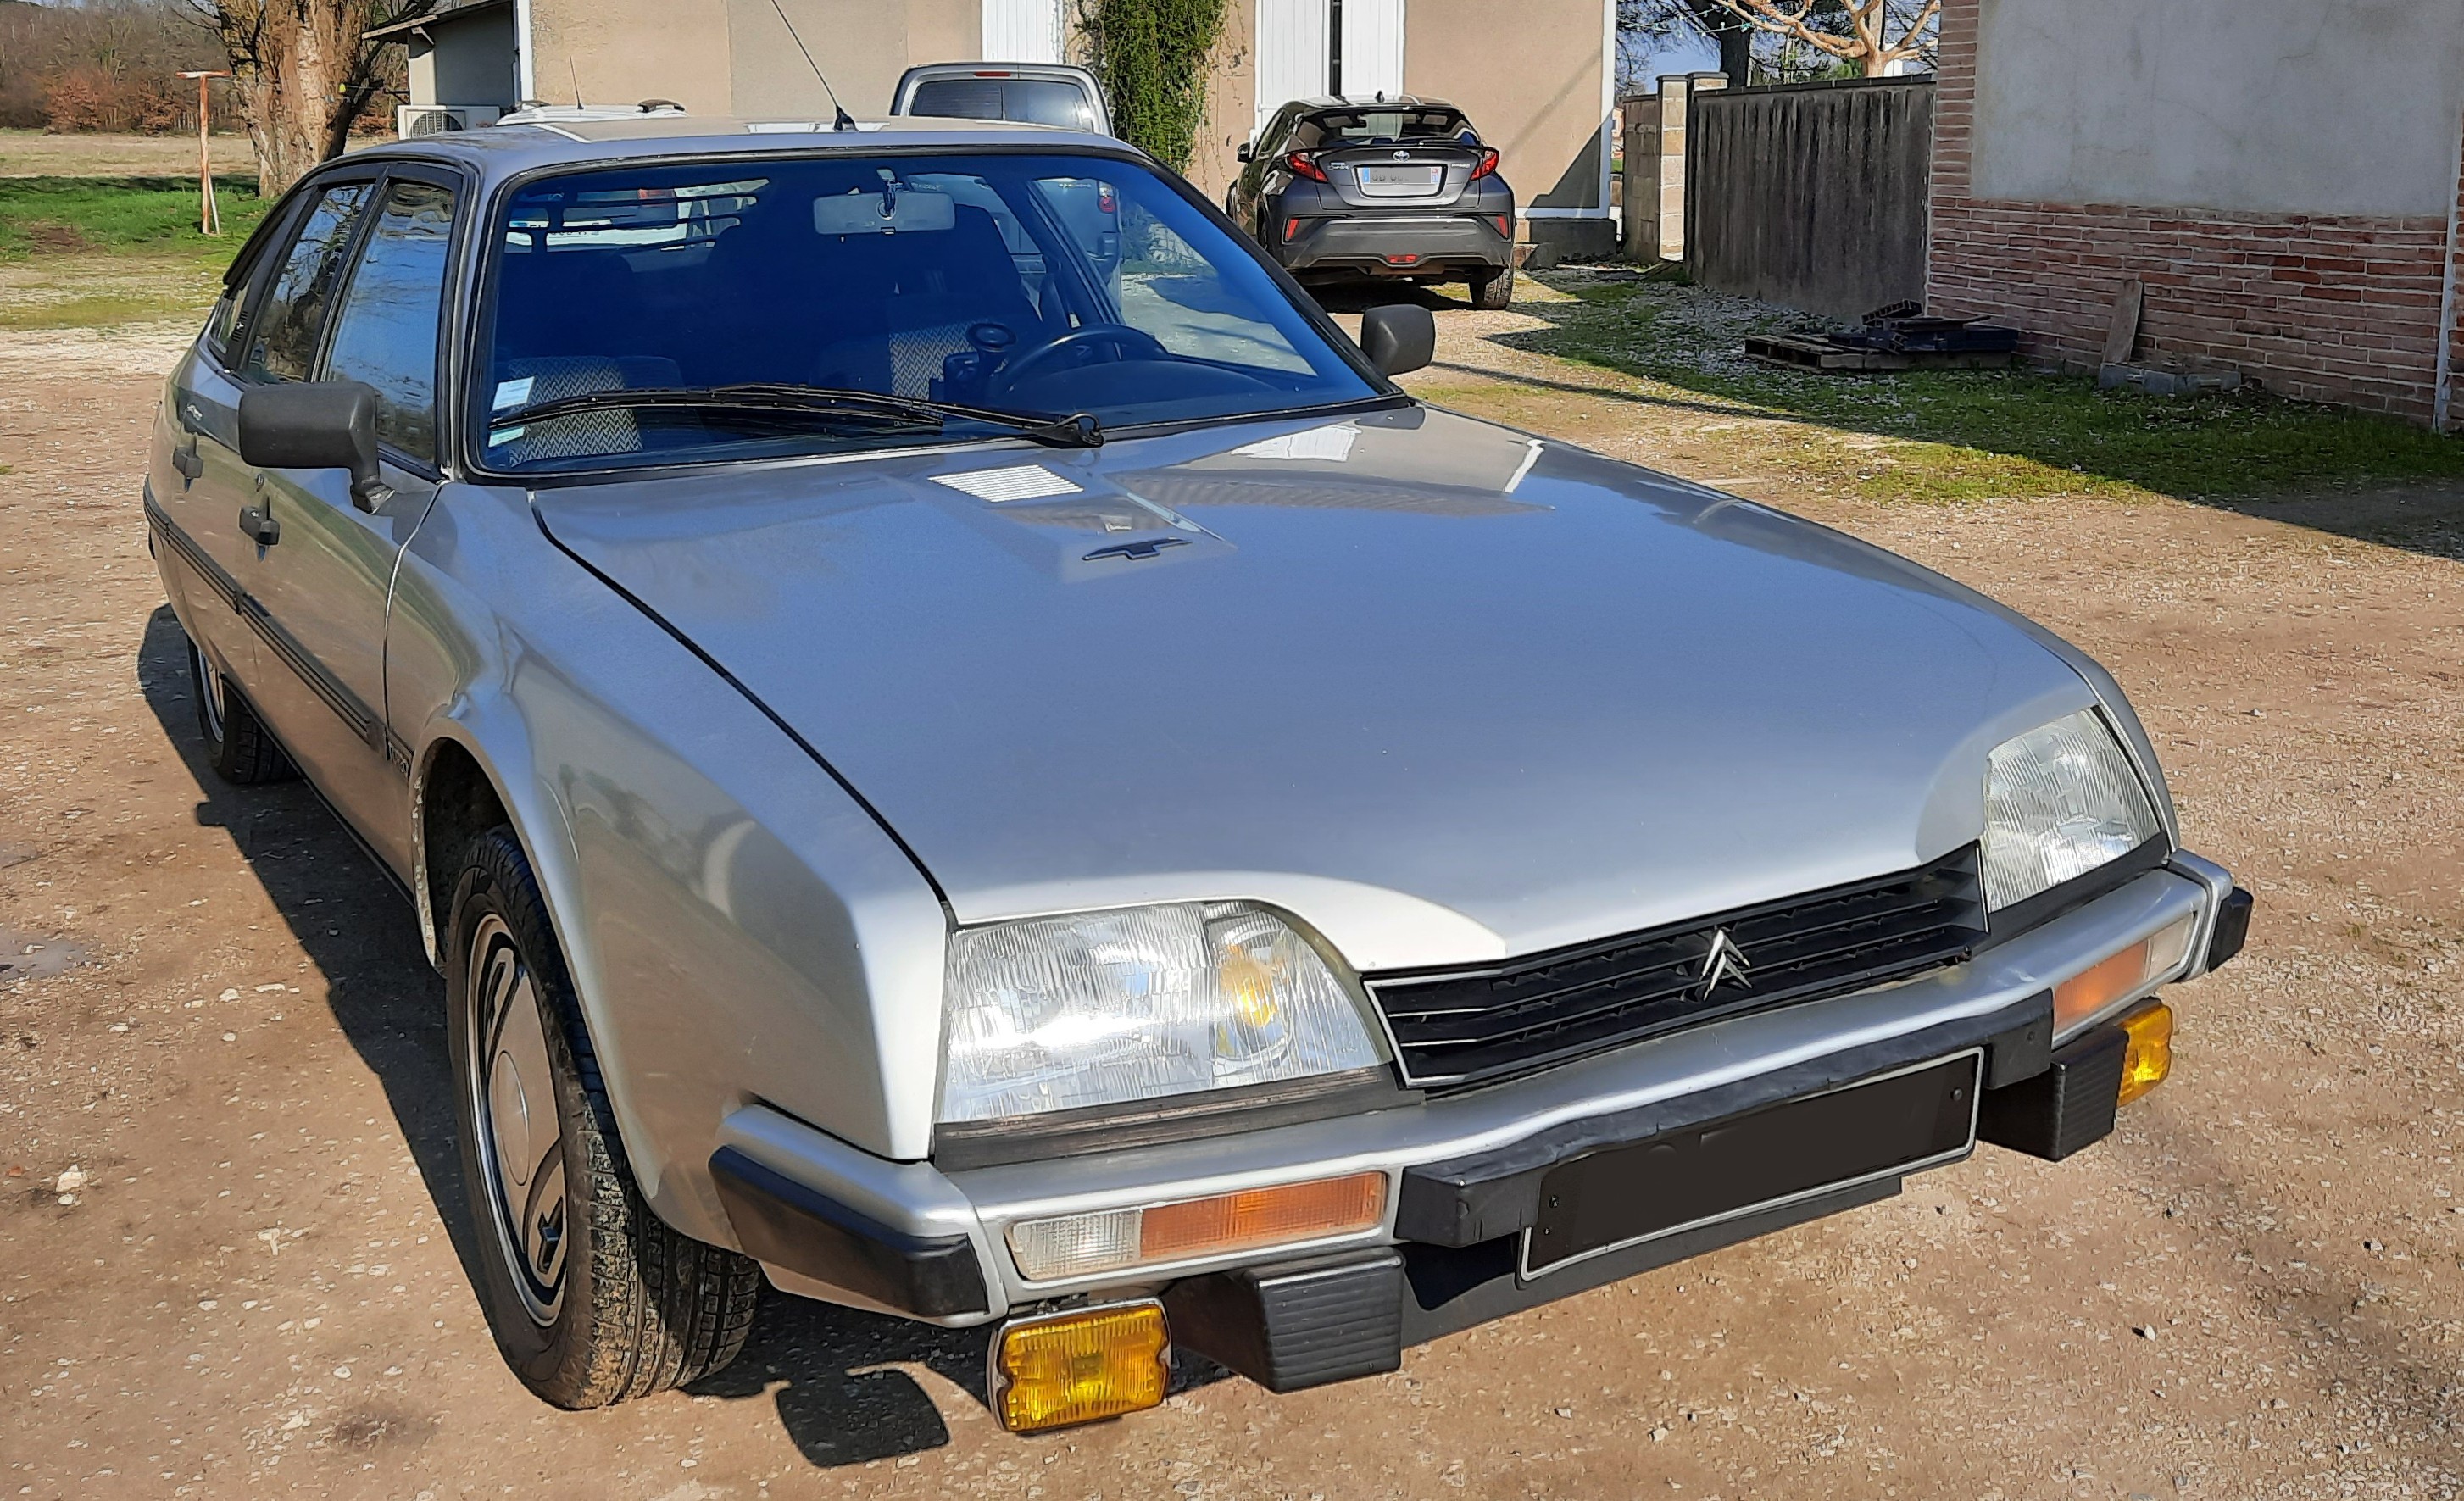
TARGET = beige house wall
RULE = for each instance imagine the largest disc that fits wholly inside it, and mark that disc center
(1231, 104)
(1531, 75)
(622, 52)
(863, 45)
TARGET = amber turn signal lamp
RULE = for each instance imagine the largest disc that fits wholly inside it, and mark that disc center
(1107, 1240)
(1079, 1366)
(2115, 977)
(2150, 1057)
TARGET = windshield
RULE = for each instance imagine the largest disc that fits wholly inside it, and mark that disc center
(1030, 101)
(1049, 285)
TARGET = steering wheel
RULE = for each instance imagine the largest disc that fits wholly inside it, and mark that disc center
(1126, 342)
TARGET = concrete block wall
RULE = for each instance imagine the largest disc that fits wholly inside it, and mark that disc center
(2351, 309)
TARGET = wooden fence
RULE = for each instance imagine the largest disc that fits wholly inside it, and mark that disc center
(1811, 195)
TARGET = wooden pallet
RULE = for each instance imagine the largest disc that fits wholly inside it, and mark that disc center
(1804, 352)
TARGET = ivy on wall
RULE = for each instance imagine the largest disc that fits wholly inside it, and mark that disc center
(1151, 55)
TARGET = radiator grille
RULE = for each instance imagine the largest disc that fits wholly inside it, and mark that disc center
(1469, 1027)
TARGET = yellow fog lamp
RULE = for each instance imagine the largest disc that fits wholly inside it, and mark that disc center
(2150, 1057)
(2119, 976)
(1079, 1366)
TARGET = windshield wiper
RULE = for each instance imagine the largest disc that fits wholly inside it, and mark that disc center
(1077, 430)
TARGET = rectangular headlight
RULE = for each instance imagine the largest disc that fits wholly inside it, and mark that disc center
(2059, 801)
(1113, 1240)
(1136, 1004)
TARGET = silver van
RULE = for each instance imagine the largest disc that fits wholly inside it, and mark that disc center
(1021, 93)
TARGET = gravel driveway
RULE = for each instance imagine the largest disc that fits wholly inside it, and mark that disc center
(225, 1129)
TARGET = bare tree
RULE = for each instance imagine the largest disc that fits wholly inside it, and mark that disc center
(303, 73)
(1872, 35)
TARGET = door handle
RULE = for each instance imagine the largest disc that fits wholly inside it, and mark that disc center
(259, 526)
(188, 462)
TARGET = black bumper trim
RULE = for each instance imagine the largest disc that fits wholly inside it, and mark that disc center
(2067, 1108)
(2233, 927)
(1472, 1200)
(1298, 1325)
(790, 1225)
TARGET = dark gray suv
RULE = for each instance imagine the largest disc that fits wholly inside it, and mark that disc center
(1396, 189)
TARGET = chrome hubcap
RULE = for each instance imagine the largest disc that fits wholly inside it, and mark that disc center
(513, 1100)
(210, 693)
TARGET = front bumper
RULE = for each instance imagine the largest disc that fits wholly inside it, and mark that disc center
(1463, 1170)
(1423, 244)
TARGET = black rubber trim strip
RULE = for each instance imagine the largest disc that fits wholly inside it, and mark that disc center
(363, 721)
(804, 1230)
(1492, 1194)
(2077, 892)
(1213, 1113)
(539, 519)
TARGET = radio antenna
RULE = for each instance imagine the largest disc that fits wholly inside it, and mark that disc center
(844, 120)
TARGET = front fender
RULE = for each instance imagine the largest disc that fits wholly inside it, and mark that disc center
(738, 927)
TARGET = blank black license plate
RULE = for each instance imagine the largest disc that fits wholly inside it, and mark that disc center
(1880, 1128)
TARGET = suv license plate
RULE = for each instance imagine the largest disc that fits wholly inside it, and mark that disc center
(1402, 179)
(1879, 1128)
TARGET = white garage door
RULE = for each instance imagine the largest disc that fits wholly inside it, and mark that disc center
(1022, 31)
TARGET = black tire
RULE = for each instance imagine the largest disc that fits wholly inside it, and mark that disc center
(631, 1306)
(1493, 290)
(237, 745)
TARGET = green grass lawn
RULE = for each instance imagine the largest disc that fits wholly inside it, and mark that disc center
(154, 216)
(1970, 434)
(105, 252)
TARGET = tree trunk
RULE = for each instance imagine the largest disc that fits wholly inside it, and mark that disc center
(1878, 65)
(301, 74)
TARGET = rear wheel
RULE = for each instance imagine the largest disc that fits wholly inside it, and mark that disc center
(593, 1299)
(1493, 289)
(237, 745)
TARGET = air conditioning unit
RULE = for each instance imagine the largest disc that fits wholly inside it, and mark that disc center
(435, 119)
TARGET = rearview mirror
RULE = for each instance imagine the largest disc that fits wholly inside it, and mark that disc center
(1242, 153)
(1398, 337)
(315, 425)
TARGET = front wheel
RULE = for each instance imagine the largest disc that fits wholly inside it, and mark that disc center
(1493, 290)
(593, 1299)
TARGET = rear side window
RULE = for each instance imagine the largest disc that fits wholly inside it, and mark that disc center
(291, 321)
(1026, 102)
(386, 334)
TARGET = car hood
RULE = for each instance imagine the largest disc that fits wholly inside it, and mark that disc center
(1444, 691)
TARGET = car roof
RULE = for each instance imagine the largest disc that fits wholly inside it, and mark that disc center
(585, 139)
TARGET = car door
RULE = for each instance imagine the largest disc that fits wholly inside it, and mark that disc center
(326, 584)
(202, 495)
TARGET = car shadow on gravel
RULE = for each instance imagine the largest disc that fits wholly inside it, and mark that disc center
(348, 916)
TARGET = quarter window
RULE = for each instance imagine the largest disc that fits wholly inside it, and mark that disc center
(385, 333)
(293, 318)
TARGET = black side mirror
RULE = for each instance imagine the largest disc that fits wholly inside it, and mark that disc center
(1398, 337)
(1243, 153)
(315, 425)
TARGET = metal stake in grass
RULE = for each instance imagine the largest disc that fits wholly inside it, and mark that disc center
(210, 217)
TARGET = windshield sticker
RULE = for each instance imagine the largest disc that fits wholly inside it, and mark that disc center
(1021, 483)
(512, 393)
(505, 435)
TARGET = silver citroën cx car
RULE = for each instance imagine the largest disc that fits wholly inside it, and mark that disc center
(1019, 783)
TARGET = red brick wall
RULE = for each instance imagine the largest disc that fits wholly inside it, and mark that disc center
(2332, 308)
